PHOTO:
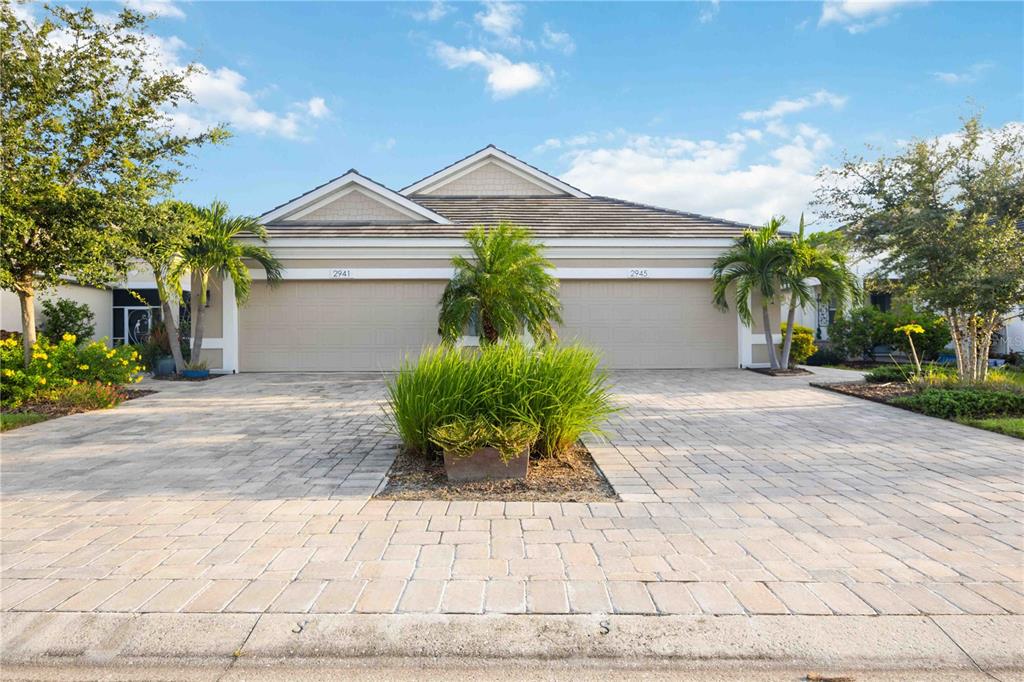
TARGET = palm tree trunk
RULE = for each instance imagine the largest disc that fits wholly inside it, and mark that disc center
(768, 337)
(490, 333)
(197, 317)
(787, 343)
(171, 326)
(26, 296)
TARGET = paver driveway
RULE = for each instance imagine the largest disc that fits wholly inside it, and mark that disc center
(741, 494)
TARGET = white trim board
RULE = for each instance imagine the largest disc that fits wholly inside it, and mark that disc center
(344, 273)
(488, 153)
(352, 177)
(460, 242)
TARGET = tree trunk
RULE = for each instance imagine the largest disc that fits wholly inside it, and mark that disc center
(171, 326)
(768, 337)
(26, 295)
(787, 342)
(490, 333)
(198, 293)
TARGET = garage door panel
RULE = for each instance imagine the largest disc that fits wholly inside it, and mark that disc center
(336, 325)
(639, 324)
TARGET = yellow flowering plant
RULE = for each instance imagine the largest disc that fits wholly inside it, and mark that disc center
(55, 367)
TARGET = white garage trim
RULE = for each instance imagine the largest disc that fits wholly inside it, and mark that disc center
(446, 273)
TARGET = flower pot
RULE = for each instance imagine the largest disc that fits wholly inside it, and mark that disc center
(485, 464)
(164, 366)
(195, 373)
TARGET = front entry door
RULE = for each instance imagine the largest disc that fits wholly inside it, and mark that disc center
(138, 322)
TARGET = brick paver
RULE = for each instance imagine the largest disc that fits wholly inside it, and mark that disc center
(740, 494)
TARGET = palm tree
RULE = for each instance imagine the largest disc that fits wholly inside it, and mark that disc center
(760, 260)
(506, 287)
(821, 256)
(215, 250)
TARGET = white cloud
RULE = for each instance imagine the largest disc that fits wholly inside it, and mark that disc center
(708, 12)
(970, 75)
(159, 8)
(557, 40)
(502, 19)
(435, 12)
(785, 107)
(505, 78)
(385, 146)
(747, 176)
(317, 107)
(858, 16)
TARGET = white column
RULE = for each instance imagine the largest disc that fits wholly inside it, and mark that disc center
(746, 343)
(230, 320)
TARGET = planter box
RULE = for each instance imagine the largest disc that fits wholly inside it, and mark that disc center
(485, 464)
(195, 373)
(164, 367)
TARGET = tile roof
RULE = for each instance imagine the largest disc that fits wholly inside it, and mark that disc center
(547, 216)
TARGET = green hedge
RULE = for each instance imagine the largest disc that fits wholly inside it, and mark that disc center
(888, 374)
(965, 403)
(561, 390)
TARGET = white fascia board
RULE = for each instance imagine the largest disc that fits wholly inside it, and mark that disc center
(493, 152)
(347, 179)
(358, 273)
(568, 242)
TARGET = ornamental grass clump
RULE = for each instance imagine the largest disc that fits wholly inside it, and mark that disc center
(561, 390)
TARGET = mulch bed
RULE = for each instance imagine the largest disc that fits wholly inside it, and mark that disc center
(53, 410)
(779, 372)
(879, 393)
(573, 478)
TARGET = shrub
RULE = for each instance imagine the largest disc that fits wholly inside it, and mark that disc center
(56, 366)
(825, 355)
(802, 346)
(87, 396)
(888, 374)
(965, 402)
(462, 438)
(63, 316)
(854, 334)
(560, 389)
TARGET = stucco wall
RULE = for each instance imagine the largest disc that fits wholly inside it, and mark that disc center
(98, 300)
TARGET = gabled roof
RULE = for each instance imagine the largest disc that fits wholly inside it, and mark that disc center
(547, 217)
(490, 152)
(352, 177)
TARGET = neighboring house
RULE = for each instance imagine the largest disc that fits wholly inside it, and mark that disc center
(365, 267)
(120, 315)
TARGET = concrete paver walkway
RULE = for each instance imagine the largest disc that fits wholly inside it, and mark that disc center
(742, 494)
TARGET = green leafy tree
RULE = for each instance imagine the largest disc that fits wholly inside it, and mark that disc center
(161, 241)
(944, 219)
(759, 261)
(821, 256)
(86, 144)
(506, 285)
(216, 249)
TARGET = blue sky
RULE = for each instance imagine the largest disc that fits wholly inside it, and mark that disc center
(721, 108)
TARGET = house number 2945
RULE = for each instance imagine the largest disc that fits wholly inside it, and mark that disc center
(638, 273)
(341, 274)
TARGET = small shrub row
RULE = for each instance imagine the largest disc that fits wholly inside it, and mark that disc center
(965, 402)
(888, 374)
(560, 390)
(825, 355)
(858, 331)
(57, 366)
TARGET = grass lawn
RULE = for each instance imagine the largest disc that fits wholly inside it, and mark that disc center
(12, 420)
(1011, 426)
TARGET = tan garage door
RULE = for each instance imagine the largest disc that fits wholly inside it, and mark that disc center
(649, 323)
(336, 326)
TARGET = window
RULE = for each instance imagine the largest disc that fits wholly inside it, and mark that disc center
(882, 301)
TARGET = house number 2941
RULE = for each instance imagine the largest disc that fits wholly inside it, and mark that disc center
(341, 274)
(638, 273)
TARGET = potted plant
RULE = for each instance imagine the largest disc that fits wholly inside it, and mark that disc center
(479, 450)
(195, 370)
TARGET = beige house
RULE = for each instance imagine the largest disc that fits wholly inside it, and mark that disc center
(365, 266)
